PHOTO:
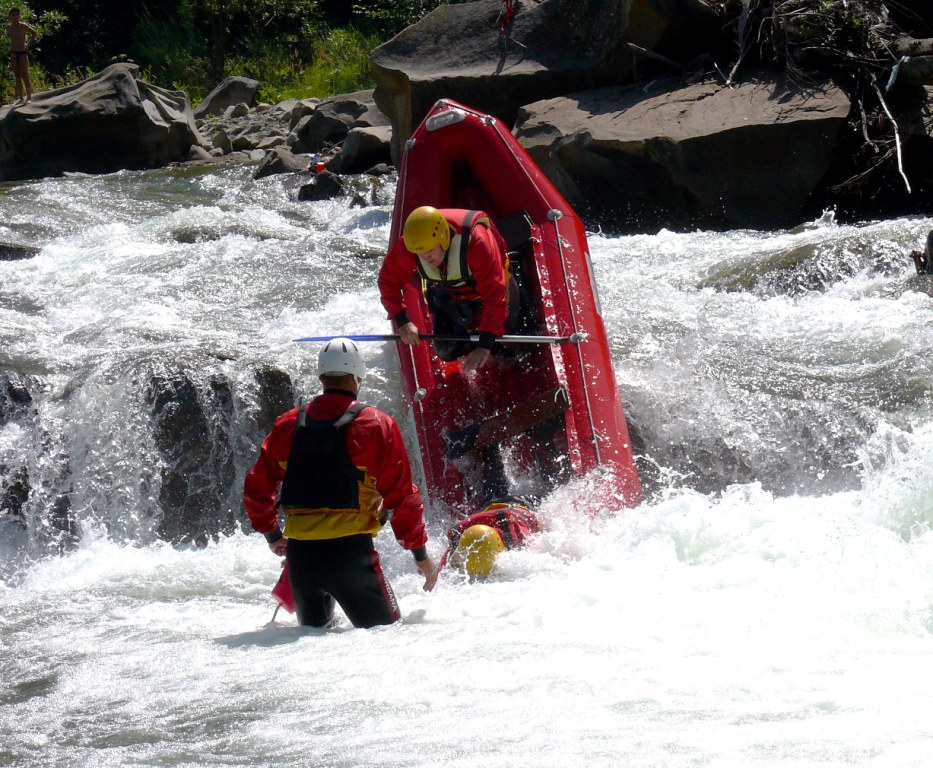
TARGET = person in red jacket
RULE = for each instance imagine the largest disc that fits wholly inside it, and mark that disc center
(462, 258)
(333, 467)
(504, 23)
(476, 541)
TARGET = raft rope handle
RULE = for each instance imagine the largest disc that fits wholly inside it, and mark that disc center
(554, 215)
(420, 393)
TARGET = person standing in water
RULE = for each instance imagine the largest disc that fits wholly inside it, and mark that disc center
(21, 36)
(332, 467)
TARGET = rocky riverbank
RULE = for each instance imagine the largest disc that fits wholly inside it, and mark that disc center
(640, 111)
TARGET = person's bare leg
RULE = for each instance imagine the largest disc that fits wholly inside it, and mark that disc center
(24, 75)
(14, 65)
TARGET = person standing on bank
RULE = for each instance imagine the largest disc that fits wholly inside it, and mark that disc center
(21, 37)
(331, 467)
(463, 259)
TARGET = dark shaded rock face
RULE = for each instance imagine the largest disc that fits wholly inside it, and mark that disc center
(696, 156)
(15, 404)
(193, 440)
(276, 395)
(323, 186)
(110, 122)
(17, 485)
(196, 433)
(11, 252)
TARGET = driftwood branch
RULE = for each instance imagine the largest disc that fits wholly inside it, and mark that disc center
(655, 56)
(897, 135)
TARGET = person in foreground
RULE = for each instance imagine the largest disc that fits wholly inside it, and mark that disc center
(476, 541)
(463, 259)
(336, 465)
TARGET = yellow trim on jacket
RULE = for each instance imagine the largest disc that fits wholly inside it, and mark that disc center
(330, 523)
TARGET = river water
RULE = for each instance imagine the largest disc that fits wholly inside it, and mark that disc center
(769, 605)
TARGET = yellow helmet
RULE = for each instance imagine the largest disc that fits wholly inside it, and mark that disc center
(426, 228)
(479, 545)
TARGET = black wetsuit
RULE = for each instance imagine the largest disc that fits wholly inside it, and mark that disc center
(346, 570)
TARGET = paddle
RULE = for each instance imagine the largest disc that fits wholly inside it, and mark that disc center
(573, 338)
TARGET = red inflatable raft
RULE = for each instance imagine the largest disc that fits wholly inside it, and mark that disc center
(550, 411)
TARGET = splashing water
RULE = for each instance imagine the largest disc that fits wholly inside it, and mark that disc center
(770, 604)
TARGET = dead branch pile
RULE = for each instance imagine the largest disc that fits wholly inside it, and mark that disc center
(853, 39)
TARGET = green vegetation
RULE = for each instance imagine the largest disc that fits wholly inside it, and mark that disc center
(294, 48)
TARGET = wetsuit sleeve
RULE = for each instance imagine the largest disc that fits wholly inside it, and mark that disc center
(397, 270)
(486, 258)
(377, 445)
(261, 487)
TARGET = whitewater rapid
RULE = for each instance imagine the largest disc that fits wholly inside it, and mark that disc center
(770, 604)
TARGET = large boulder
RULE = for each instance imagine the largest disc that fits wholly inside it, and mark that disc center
(230, 92)
(110, 122)
(561, 46)
(681, 157)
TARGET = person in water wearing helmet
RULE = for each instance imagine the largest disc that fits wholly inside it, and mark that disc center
(332, 467)
(476, 541)
(462, 258)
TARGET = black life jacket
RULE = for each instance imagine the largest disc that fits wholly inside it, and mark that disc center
(320, 474)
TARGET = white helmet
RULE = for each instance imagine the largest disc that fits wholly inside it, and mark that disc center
(340, 356)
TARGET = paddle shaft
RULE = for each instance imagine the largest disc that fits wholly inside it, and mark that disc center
(574, 338)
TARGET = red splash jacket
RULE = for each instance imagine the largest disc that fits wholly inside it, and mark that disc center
(486, 263)
(375, 446)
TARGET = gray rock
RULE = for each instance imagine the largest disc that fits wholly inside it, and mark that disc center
(280, 160)
(331, 120)
(323, 186)
(701, 155)
(231, 90)
(269, 142)
(363, 148)
(110, 122)
(199, 153)
(243, 143)
(220, 140)
(237, 110)
(300, 109)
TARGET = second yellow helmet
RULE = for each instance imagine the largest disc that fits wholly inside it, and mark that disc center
(479, 545)
(426, 228)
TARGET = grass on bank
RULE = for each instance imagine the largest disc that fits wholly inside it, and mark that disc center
(339, 63)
